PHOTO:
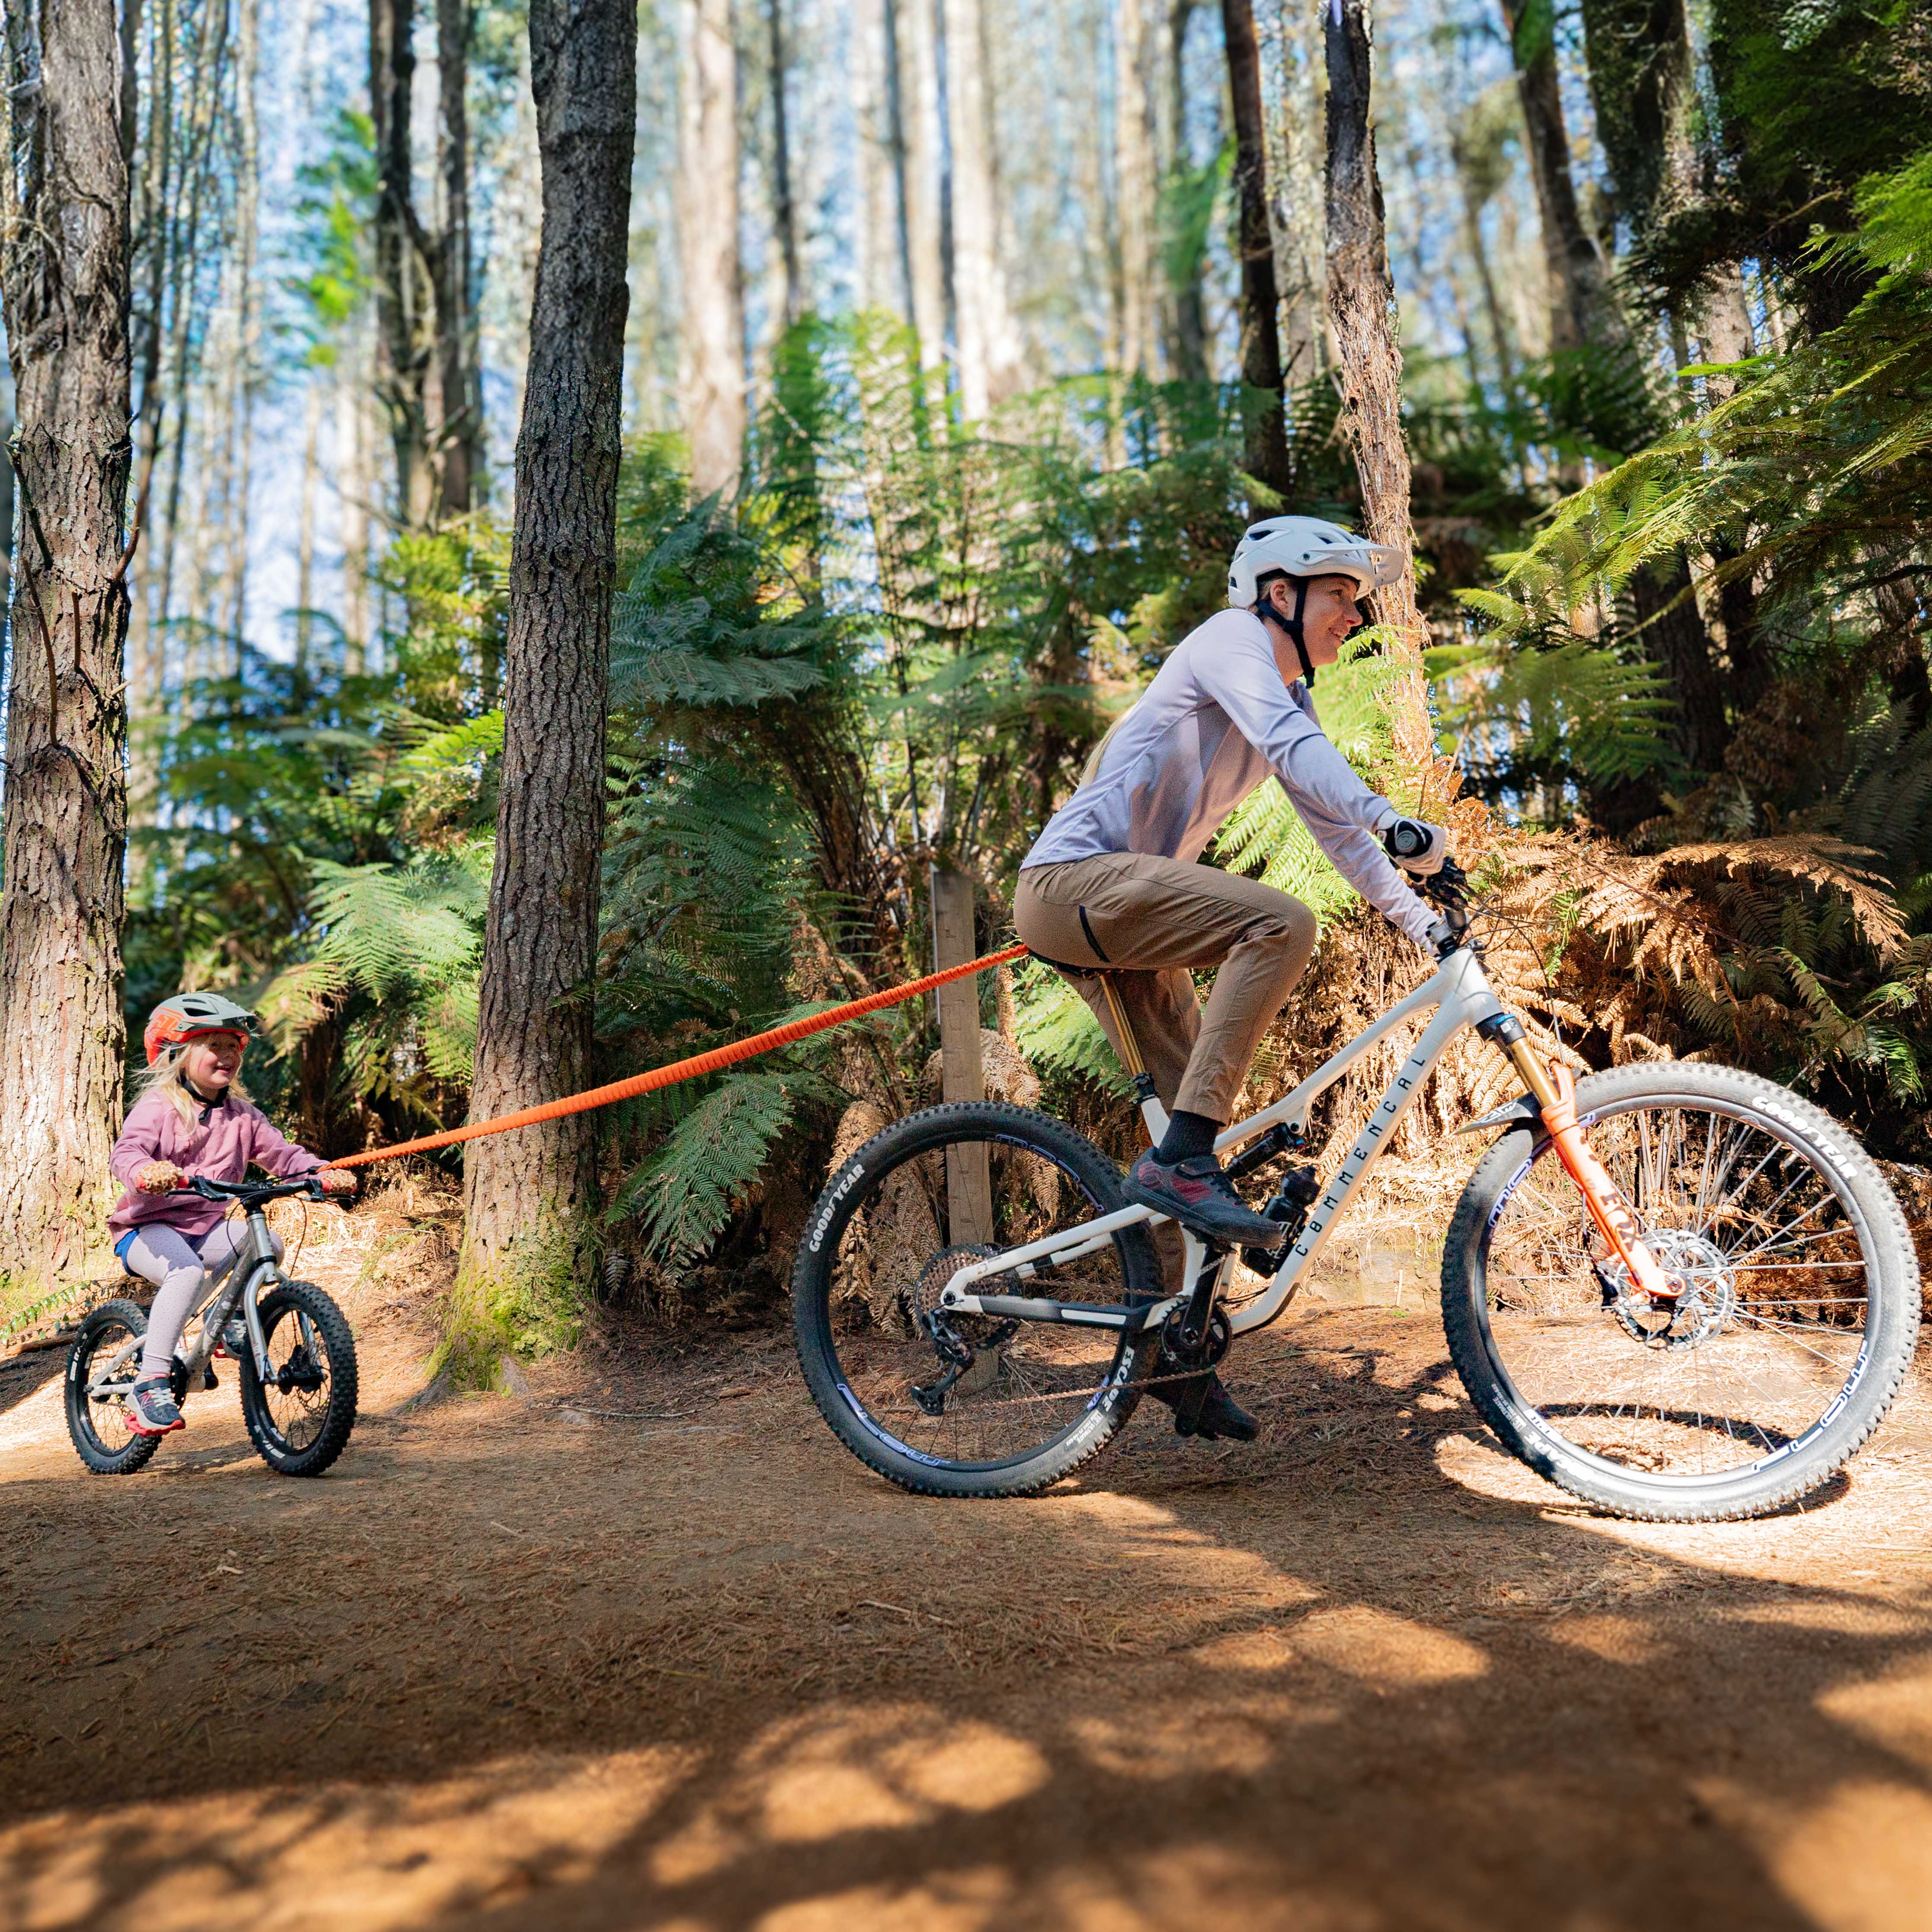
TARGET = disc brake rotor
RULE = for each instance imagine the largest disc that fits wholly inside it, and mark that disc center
(1709, 1299)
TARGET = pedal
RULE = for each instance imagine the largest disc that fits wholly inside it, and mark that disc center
(1193, 1399)
(207, 1381)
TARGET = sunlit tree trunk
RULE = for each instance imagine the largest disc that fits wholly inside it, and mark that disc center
(1134, 176)
(1361, 301)
(915, 64)
(529, 1230)
(986, 337)
(63, 279)
(711, 362)
(1260, 338)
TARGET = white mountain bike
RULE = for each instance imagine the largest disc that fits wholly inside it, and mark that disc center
(1678, 1292)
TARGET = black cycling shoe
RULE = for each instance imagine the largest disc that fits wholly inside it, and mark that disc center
(1221, 1418)
(1202, 1198)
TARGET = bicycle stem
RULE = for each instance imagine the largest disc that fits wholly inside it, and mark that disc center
(1554, 1093)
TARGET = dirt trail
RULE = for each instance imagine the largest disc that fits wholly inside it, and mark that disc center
(691, 1667)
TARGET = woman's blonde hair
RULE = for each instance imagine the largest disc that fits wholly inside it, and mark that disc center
(169, 1076)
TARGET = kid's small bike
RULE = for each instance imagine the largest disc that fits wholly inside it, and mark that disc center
(297, 1370)
(1678, 1292)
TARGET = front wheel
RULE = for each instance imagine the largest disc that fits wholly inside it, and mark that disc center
(102, 1366)
(1796, 1325)
(969, 1405)
(300, 1416)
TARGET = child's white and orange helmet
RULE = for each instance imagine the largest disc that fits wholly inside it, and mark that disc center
(184, 1015)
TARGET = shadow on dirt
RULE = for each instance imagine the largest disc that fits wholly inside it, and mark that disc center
(1365, 1673)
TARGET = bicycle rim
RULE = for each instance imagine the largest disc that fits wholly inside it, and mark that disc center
(1764, 1347)
(920, 1215)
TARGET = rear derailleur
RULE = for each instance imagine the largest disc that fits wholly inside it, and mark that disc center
(956, 1356)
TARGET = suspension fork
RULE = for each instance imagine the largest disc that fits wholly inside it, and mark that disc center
(1554, 1092)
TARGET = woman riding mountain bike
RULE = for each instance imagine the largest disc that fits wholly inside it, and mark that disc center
(192, 1118)
(1111, 886)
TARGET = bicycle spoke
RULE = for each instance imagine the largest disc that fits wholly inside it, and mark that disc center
(1743, 1362)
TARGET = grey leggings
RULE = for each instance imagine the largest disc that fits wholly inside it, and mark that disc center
(179, 1266)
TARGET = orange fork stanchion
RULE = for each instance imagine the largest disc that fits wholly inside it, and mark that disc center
(698, 1064)
(1555, 1094)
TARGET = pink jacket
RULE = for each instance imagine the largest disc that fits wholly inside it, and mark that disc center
(230, 1135)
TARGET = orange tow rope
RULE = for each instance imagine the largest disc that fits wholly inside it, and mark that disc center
(685, 1069)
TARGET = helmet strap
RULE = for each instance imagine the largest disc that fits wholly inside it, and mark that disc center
(1292, 626)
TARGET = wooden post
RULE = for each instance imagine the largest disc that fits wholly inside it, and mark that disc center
(969, 1188)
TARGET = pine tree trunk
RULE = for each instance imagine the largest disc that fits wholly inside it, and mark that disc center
(1260, 334)
(1190, 350)
(530, 1232)
(460, 433)
(1361, 304)
(711, 362)
(401, 364)
(63, 278)
(1582, 307)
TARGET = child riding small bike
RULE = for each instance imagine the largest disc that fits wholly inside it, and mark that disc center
(192, 1118)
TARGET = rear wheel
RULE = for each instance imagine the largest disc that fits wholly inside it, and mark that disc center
(1031, 1401)
(300, 1416)
(102, 1366)
(1797, 1323)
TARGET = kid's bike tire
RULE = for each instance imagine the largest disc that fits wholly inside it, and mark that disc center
(117, 1451)
(293, 1432)
(1760, 1383)
(1041, 1399)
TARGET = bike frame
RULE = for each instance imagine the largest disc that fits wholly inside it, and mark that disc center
(1459, 992)
(252, 1268)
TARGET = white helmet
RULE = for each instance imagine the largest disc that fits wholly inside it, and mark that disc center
(1307, 547)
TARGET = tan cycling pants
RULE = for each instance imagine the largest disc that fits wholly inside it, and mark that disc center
(1150, 921)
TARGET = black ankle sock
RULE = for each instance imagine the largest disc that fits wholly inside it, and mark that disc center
(1187, 1135)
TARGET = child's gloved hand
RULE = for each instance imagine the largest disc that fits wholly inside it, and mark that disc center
(159, 1177)
(336, 1181)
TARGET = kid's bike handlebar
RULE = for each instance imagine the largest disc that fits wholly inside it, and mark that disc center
(252, 1193)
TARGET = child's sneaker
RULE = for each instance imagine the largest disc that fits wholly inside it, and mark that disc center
(234, 1343)
(151, 1408)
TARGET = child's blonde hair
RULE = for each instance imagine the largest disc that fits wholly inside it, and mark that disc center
(169, 1076)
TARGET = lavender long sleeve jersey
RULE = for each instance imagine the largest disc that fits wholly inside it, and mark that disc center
(1215, 722)
(229, 1134)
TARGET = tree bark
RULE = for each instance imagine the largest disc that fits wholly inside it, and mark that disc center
(63, 278)
(402, 359)
(1267, 452)
(711, 361)
(1361, 306)
(1582, 308)
(529, 1231)
(459, 436)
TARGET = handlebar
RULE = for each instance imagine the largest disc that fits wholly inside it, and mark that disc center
(252, 1193)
